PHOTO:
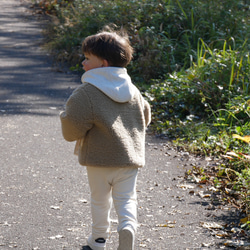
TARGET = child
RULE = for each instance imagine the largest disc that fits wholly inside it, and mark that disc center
(108, 116)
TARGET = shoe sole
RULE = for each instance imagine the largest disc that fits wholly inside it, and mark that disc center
(126, 240)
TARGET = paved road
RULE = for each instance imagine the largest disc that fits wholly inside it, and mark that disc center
(43, 191)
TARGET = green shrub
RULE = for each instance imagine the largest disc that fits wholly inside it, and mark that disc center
(164, 33)
(215, 89)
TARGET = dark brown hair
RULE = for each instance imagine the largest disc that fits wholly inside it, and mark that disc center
(111, 46)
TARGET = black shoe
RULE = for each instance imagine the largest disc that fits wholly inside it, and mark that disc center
(100, 240)
(86, 248)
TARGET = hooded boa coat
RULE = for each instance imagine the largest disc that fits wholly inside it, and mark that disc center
(107, 117)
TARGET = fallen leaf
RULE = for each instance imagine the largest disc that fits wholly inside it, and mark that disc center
(244, 220)
(236, 230)
(228, 191)
(212, 225)
(245, 138)
(185, 186)
(236, 243)
(202, 195)
(222, 235)
(165, 225)
(170, 224)
(213, 189)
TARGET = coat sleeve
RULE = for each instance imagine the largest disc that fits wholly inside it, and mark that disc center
(147, 112)
(77, 119)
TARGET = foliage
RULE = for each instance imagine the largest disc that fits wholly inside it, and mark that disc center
(204, 108)
(49, 6)
(215, 88)
(164, 33)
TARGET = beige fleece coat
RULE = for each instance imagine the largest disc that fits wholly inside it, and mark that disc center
(109, 127)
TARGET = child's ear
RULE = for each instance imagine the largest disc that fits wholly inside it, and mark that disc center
(105, 63)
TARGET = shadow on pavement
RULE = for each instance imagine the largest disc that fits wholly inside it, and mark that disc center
(28, 85)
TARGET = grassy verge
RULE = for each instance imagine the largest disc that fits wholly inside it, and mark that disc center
(191, 62)
(206, 110)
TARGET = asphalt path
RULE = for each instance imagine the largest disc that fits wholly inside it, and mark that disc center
(44, 192)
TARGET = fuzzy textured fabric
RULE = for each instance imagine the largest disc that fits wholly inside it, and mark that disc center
(109, 133)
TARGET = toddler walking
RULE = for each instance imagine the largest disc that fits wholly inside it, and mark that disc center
(107, 117)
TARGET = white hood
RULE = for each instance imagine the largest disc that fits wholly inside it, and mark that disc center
(112, 81)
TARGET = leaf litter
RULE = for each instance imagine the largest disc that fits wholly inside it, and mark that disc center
(222, 193)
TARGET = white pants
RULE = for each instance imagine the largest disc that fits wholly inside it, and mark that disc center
(118, 184)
